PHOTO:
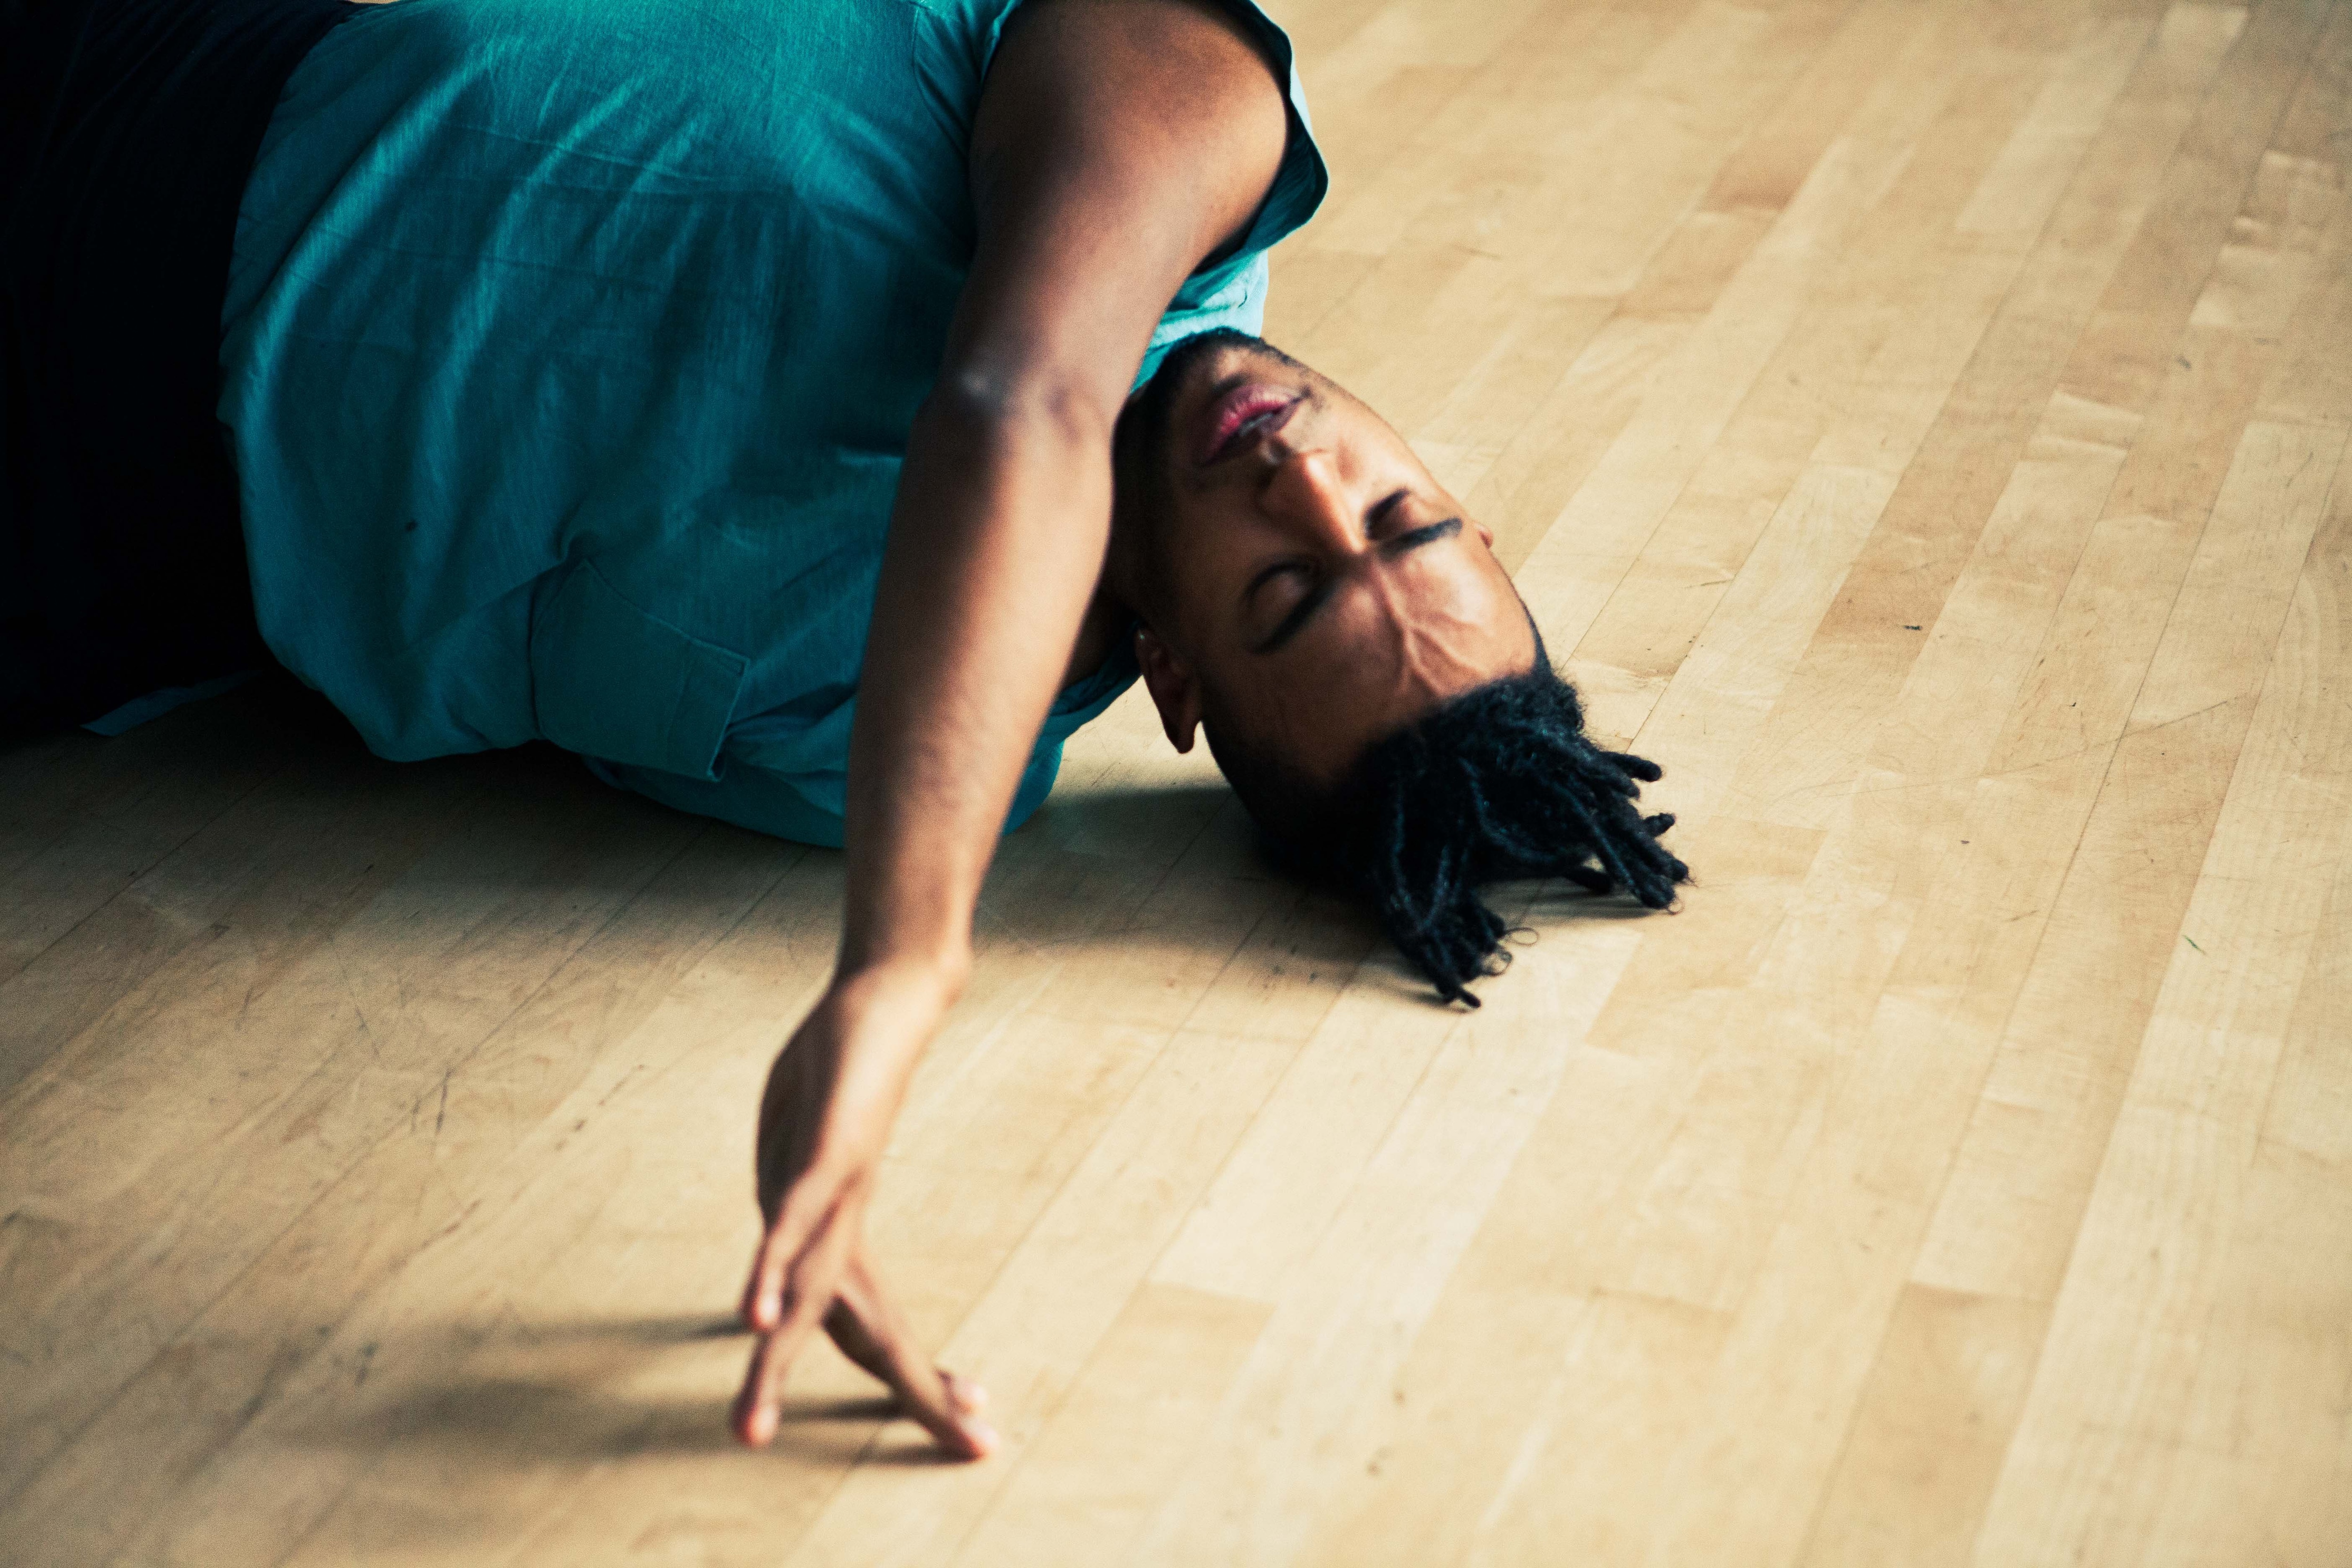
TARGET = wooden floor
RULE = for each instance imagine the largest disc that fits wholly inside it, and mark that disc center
(1925, 427)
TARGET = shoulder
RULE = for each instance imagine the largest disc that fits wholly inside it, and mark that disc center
(1212, 46)
(1211, 85)
(1176, 85)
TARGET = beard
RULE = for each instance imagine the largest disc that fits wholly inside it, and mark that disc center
(1143, 490)
(1139, 441)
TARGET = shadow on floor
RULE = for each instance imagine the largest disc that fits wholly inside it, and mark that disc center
(261, 808)
(579, 1393)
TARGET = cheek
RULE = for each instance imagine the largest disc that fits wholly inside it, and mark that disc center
(1456, 607)
(1204, 557)
(1352, 670)
(1475, 592)
(1464, 629)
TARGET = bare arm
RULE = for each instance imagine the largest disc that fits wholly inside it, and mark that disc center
(1119, 144)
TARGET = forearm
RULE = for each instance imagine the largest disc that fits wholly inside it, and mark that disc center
(996, 541)
(1114, 147)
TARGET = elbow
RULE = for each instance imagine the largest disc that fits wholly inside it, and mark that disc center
(1067, 410)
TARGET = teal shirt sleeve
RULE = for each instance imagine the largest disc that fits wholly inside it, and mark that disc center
(569, 360)
(806, 806)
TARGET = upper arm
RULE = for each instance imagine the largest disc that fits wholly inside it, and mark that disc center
(1119, 144)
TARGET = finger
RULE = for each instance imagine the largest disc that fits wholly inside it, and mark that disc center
(808, 1204)
(753, 1415)
(969, 1402)
(969, 1399)
(809, 1289)
(867, 1324)
(849, 1335)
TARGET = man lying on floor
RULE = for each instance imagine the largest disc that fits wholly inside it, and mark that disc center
(674, 379)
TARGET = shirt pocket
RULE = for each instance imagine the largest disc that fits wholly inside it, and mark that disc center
(609, 680)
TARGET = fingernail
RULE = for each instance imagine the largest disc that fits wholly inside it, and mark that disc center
(984, 1436)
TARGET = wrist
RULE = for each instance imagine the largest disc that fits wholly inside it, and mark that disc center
(915, 990)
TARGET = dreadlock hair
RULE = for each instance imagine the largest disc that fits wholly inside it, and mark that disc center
(1497, 785)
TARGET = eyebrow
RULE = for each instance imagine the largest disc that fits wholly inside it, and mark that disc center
(1320, 594)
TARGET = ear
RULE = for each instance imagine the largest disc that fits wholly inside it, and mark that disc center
(1174, 690)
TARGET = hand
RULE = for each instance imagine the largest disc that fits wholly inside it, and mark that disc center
(824, 1122)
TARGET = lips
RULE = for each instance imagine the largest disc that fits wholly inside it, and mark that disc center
(1241, 415)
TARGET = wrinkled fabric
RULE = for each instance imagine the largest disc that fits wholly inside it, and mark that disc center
(571, 351)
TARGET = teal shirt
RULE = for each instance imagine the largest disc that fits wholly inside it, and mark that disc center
(569, 354)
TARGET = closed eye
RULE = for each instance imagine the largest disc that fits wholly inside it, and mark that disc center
(1320, 594)
(1268, 575)
(1415, 538)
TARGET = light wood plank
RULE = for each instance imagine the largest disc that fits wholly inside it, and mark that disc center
(2088, 1473)
(1922, 426)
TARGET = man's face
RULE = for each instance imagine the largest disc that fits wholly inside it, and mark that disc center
(1304, 583)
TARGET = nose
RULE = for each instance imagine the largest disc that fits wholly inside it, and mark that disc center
(1307, 493)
